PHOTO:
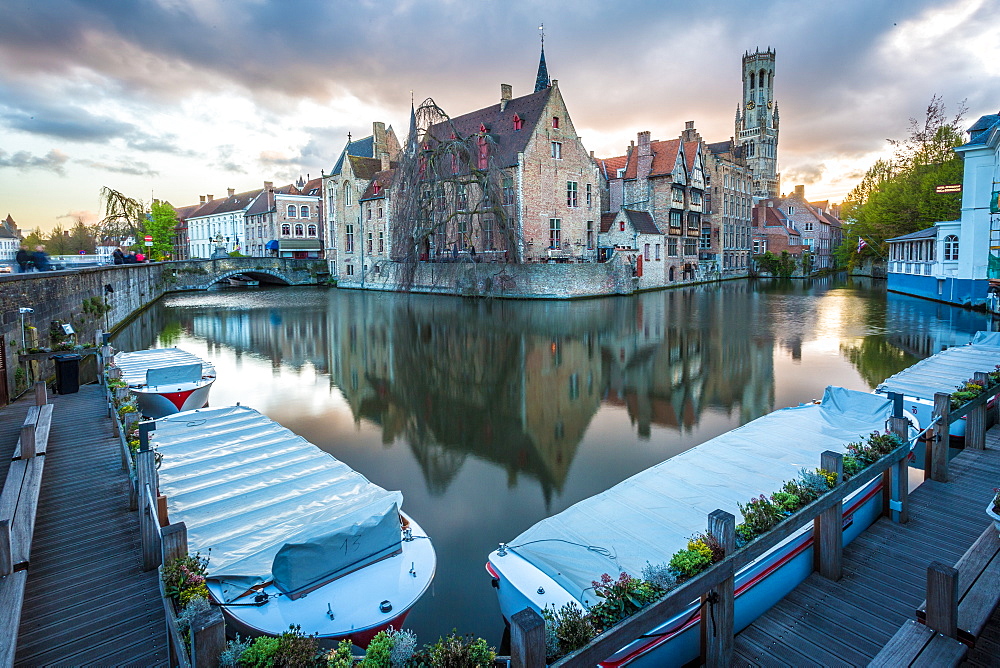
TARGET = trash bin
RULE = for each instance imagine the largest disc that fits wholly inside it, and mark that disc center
(67, 373)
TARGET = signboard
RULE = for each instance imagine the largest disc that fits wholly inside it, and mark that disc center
(149, 240)
(950, 188)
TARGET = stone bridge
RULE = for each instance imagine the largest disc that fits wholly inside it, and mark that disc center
(200, 274)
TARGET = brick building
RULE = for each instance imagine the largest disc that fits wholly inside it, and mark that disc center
(286, 221)
(343, 188)
(729, 206)
(773, 231)
(819, 230)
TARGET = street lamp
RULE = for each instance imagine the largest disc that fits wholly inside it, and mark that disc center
(22, 311)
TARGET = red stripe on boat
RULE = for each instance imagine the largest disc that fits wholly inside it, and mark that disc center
(177, 398)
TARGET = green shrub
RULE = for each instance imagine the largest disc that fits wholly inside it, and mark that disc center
(183, 574)
(341, 657)
(566, 630)
(260, 654)
(455, 651)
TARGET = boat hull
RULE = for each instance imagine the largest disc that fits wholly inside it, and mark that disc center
(758, 588)
(160, 401)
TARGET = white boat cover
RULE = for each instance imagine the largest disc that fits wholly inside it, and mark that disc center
(137, 364)
(648, 517)
(946, 370)
(269, 504)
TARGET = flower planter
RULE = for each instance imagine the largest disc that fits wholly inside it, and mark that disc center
(994, 516)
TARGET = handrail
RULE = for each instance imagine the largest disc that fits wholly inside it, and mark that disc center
(677, 600)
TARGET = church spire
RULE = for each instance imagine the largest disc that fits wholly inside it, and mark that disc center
(542, 79)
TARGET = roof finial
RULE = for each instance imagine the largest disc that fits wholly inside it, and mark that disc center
(348, 138)
(542, 78)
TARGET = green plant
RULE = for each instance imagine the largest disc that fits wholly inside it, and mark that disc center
(260, 653)
(688, 563)
(195, 606)
(296, 649)
(455, 651)
(621, 598)
(659, 575)
(340, 657)
(566, 630)
(184, 574)
(230, 656)
(379, 651)
(115, 383)
(404, 644)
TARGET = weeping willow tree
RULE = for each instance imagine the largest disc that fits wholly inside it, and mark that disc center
(123, 216)
(453, 199)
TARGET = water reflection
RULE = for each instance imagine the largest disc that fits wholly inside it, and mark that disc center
(492, 415)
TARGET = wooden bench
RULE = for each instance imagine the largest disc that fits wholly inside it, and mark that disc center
(18, 507)
(959, 603)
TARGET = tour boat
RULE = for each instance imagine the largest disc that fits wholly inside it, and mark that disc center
(943, 372)
(166, 380)
(648, 517)
(241, 281)
(293, 535)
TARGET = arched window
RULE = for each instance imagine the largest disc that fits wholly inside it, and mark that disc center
(312, 230)
(763, 78)
(291, 210)
(299, 230)
(347, 193)
(752, 85)
(303, 212)
(286, 229)
(950, 247)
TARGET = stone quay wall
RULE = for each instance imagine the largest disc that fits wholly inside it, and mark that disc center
(95, 299)
(510, 281)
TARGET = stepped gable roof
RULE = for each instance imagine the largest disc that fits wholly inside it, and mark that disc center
(926, 233)
(664, 158)
(690, 152)
(364, 147)
(262, 205)
(384, 180)
(641, 221)
(500, 125)
(8, 228)
(609, 166)
(607, 220)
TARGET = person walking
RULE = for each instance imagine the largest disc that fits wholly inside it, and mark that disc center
(23, 258)
(129, 258)
(139, 257)
(118, 257)
(41, 259)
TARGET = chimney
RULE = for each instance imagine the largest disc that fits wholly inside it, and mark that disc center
(506, 92)
(202, 198)
(210, 197)
(644, 163)
(385, 160)
(800, 192)
(231, 191)
(555, 83)
(378, 135)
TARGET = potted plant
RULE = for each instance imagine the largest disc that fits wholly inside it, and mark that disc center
(993, 509)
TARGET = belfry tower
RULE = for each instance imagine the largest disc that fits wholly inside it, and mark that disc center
(757, 124)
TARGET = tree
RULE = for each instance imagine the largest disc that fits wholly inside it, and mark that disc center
(779, 266)
(34, 238)
(123, 217)
(58, 242)
(160, 225)
(82, 237)
(898, 196)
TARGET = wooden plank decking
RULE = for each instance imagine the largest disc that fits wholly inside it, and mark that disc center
(846, 623)
(87, 600)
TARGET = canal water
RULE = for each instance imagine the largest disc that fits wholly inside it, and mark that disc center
(491, 415)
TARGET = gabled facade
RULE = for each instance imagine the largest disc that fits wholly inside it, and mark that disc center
(285, 222)
(342, 189)
(635, 235)
(376, 216)
(218, 225)
(10, 238)
(819, 230)
(773, 231)
(729, 207)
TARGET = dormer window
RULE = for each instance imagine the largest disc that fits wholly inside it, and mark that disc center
(482, 129)
(376, 188)
(518, 122)
(555, 122)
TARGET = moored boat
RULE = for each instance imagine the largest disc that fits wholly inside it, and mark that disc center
(166, 380)
(943, 372)
(242, 281)
(646, 518)
(294, 536)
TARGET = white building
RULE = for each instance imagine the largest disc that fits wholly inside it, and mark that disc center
(219, 224)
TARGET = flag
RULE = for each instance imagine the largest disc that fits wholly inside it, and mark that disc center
(861, 244)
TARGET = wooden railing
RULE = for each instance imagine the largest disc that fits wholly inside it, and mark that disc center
(715, 587)
(18, 508)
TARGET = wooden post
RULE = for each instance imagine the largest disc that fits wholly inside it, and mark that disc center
(928, 439)
(175, 541)
(942, 440)
(208, 639)
(942, 599)
(6, 558)
(41, 395)
(828, 528)
(145, 467)
(27, 441)
(145, 427)
(717, 604)
(897, 479)
(975, 420)
(527, 639)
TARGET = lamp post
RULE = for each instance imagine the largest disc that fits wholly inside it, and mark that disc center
(22, 311)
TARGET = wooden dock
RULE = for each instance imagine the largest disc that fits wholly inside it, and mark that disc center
(87, 599)
(847, 622)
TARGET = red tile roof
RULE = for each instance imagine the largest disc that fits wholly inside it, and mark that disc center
(609, 166)
(607, 220)
(664, 158)
(384, 180)
(690, 152)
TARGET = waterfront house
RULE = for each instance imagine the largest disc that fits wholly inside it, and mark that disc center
(773, 231)
(819, 231)
(286, 221)
(958, 261)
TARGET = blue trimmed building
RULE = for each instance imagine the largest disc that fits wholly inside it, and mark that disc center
(954, 261)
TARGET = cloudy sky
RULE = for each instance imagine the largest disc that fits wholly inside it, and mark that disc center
(177, 98)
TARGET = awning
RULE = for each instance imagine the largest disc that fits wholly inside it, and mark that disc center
(271, 245)
(300, 245)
